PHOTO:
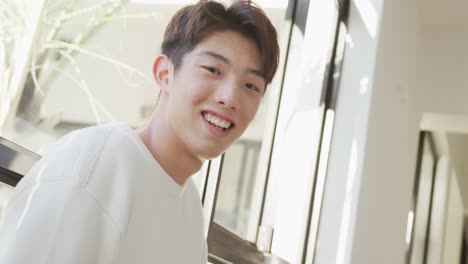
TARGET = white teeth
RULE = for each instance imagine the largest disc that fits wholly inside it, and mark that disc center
(216, 121)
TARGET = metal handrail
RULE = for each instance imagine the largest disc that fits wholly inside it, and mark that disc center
(15, 161)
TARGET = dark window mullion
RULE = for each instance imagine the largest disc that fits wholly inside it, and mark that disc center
(329, 98)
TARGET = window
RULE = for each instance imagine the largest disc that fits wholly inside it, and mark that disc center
(243, 172)
(71, 40)
(291, 164)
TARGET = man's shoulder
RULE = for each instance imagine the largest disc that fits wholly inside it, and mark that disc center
(97, 132)
(91, 138)
(72, 156)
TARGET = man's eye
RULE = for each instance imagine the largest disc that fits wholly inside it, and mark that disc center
(252, 87)
(212, 70)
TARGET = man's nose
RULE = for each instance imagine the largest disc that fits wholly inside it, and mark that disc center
(228, 95)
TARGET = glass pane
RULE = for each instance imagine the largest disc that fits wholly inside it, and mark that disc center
(93, 64)
(237, 185)
(18, 27)
(245, 162)
(300, 126)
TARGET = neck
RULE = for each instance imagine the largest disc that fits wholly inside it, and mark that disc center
(167, 150)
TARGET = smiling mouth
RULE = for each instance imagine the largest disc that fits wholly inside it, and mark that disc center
(217, 121)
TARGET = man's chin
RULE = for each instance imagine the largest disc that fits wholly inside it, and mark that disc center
(212, 154)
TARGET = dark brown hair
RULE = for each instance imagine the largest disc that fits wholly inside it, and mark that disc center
(193, 23)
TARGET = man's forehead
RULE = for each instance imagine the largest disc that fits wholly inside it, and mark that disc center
(214, 55)
(229, 40)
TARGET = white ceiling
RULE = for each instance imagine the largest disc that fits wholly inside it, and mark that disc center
(447, 15)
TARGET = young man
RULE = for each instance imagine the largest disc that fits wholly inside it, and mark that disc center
(108, 194)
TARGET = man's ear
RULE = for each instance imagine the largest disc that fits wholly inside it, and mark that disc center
(162, 72)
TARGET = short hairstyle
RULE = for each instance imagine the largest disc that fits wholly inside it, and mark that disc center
(193, 23)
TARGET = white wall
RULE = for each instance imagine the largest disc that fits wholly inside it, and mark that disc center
(416, 71)
(454, 224)
(392, 137)
(443, 69)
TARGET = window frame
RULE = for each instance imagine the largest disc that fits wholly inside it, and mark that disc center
(330, 101)
(423, 136)
(226, 247)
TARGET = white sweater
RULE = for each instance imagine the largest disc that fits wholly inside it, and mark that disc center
(99, 196)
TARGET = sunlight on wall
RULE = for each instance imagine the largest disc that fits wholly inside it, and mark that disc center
(364, 85)
(369, 16)
(349, 41)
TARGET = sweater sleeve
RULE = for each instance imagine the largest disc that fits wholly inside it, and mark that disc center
(57, 222)
(52, 218)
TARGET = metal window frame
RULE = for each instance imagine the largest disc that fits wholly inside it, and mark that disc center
(231, 248)
(15, 161)
(423, 135)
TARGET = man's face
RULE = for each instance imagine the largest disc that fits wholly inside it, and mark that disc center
(215, 93)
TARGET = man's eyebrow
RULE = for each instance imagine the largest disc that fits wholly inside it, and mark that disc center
(215, 55)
